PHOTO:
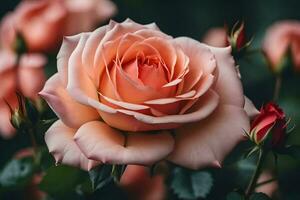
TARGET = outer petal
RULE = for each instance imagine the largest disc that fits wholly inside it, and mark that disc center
(85, 15)
(59, 139)
(229, 85)
(250, 109)
(206, 143)
(66, 49)
(31, 77)
(72, 113)
(98, 141)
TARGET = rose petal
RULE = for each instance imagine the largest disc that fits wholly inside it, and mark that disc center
(228, 77)
(7, 73)
(72, 113)
(250, 109)
(229, 85)
(206, 143)
(98, 141)
(60, 142)
(31, 77)
(68, 45)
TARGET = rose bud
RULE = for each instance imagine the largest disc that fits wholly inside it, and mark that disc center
(281, 43)
(219, 37)
(269, 124)
(27, 77)
(25, 114)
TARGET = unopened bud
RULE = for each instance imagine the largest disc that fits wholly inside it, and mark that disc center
(269, 127)
(238, 40)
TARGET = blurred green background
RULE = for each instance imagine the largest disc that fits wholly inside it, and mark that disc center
(193, 18)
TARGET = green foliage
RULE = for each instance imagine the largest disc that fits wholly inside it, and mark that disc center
(191, 184)
(235, 196)
(292, 150)
(100, 176)
(60, 180)
(17, 173)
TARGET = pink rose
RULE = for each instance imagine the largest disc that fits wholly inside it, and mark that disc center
(28, 78)
(43, 23)
(136, 78)
(281, 37)
(138, 184)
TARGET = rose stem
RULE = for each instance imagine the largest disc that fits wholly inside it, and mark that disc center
(31, 132)
(259, 165)
(277, 88)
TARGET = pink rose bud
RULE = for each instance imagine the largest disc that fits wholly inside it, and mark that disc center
(270, 122)
(282, 40)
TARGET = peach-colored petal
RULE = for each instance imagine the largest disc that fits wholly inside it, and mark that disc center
(60, 142)
(139, 185)
(165, 49)
(127, 122)
(100, 142)
(7, 73)
(279, 38)
(199, 55)
(40, 23)
(216, 37)
(208, 105)
(31, 77)
(85, 15)
(89, 51)
(7, 31)
(68, 45)
(206, 143)
(250, 108)
(228, 77)
(72, 113)
(229, 85)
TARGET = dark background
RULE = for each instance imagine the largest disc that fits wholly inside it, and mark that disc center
(193, 18)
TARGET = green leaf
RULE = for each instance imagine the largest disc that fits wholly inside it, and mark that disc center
(17, 173)
(100, 176)
(235, 196)
(61, 179)
(191, 184)
(292, 150)
(259, 196)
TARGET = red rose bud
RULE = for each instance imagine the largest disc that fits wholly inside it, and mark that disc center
(25, 114)
(270, 122)
(238, 40)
